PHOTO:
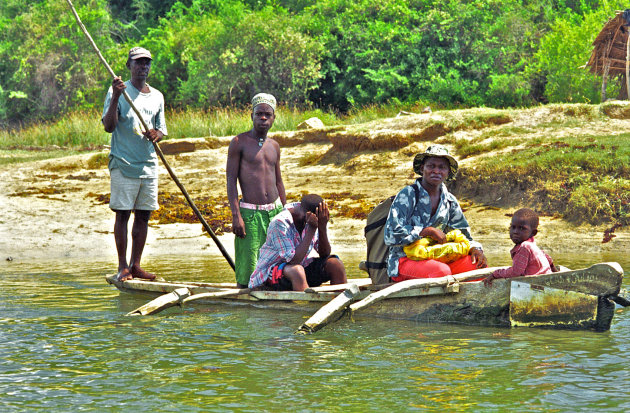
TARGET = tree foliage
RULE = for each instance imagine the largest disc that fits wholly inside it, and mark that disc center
(560, 62)
(47, 64)
(250, 51)
(330, 53)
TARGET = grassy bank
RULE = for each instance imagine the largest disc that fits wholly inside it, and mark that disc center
(81, 131)
(574, 164)
(570, 161)
(579, 178)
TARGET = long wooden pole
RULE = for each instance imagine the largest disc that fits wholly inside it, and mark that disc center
(155, 145)
(628, 66)
(418, 283)
(329, 312)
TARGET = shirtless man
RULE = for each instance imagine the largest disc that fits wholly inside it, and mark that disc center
(254, 162)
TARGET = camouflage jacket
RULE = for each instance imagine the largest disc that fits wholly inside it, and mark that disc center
(406, 220)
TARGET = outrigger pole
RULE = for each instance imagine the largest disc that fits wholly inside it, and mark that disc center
(155, 145)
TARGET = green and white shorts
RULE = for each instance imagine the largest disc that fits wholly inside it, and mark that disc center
(256, 219)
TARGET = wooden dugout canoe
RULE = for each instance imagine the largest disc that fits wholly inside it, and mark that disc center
(573, 299)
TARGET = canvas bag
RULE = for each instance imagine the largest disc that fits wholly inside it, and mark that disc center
(377, 251)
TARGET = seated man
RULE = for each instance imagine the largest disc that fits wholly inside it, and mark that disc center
(283, 263)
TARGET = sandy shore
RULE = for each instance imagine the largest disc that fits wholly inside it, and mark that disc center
(51, 209)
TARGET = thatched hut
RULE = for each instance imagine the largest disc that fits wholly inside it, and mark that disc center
(610, 53)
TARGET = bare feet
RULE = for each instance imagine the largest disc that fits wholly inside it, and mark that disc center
(138, 272)
(124, 275)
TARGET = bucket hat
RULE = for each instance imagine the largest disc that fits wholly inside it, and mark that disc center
(435, 151)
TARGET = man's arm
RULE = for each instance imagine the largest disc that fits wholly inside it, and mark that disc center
(279, 184)
(323, 215)
(110, 119)
(231, 170)
(159, 130)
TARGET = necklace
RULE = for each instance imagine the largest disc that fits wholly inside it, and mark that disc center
(261, 141)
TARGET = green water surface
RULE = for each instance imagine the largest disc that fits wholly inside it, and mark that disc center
(66, 345)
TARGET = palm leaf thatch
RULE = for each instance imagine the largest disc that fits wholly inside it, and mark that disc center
(610, 52)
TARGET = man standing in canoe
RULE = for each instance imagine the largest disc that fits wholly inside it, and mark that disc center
(254, 162)
(132, 159)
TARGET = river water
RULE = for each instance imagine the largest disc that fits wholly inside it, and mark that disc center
(65, 345)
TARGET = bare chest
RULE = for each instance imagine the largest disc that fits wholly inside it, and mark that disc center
(255, 155)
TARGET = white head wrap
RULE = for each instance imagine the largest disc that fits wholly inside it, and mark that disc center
(264, 98)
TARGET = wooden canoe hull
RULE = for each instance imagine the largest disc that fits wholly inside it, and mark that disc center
(470, 303)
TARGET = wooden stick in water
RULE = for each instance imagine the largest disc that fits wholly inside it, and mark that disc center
(329, 312)
(417, 283)
(162, 302)
(181, 296)
(623, 299)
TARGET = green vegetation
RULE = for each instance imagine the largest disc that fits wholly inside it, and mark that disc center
(21, 155)
(333, 55)
(83, 130)
(581, 178)
(79, 131)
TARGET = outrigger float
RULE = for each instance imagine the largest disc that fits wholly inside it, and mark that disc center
(569, 299)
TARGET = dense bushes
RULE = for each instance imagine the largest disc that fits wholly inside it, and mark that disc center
(46, 66)
(335, 54)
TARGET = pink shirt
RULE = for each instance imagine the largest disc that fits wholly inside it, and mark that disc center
(527, 259)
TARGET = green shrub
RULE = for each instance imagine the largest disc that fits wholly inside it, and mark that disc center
(46, 63)
(563, 52)
(508, 90)
(98, 160)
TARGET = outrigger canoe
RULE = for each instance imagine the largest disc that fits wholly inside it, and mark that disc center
(570, 299)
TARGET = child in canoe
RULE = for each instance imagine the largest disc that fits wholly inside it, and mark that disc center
(527, 258)
(284, 263)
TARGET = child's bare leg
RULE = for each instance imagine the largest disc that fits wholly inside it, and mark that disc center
(297, 276)
(336, 270)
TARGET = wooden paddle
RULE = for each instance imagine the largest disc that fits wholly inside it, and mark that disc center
(418, 283)
(332, 311)
(155, 145)
(181, 296)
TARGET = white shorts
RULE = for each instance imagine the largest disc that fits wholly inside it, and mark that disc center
(130, 194)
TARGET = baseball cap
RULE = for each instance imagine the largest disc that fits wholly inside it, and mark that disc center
(138, 52)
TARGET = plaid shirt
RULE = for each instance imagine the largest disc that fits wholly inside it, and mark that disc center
(527, 259)
(282, 240)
